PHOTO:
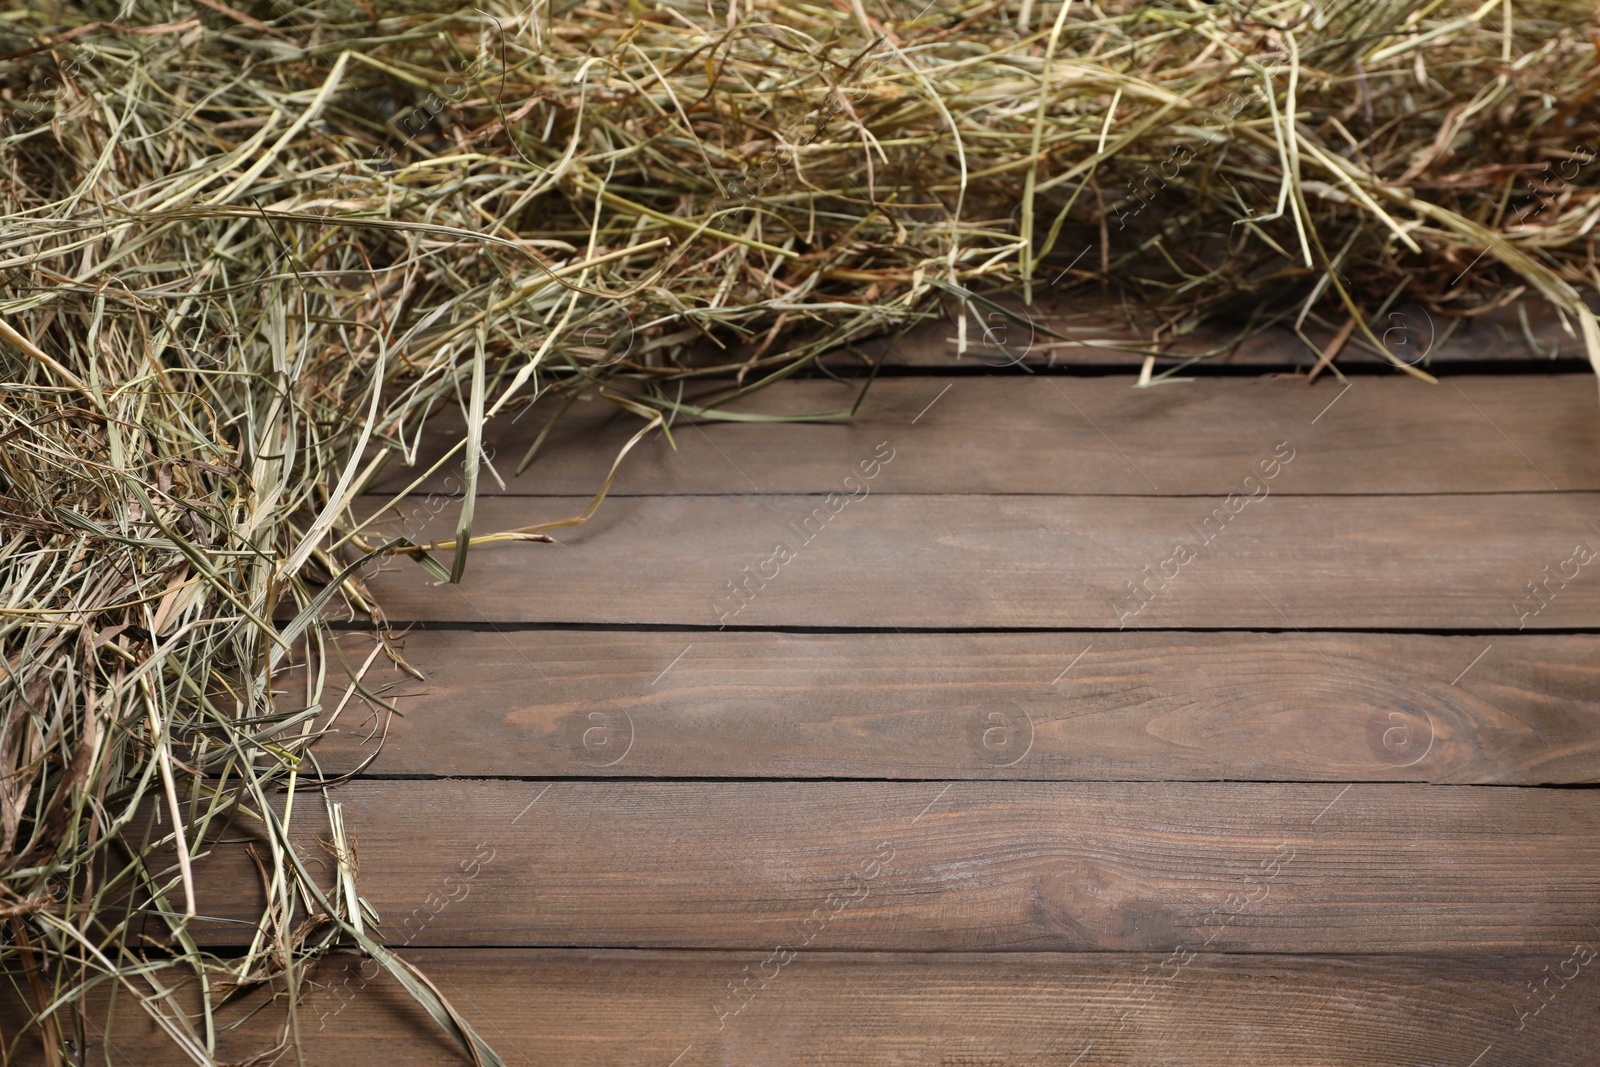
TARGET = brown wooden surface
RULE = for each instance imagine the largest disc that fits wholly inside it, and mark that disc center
(1098, 335)
(895, 562)
(1063, 435)
(1511, 710)
(615, 819)
(967, 866)
(655, 1009)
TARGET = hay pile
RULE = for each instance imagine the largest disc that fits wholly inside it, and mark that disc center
(247, 250)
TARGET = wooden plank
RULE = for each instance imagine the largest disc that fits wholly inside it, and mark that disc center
(963, 866)
(1101, 336)
(1091, 435)
(1464, 563)
(600, 1009)
(1127, 706)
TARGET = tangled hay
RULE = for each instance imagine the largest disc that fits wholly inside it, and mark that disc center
(248, 250)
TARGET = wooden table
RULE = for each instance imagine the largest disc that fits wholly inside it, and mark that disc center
(1024, 719)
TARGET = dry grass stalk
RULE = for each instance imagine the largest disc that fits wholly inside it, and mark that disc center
(246, 254)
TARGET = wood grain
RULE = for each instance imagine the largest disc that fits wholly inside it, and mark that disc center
(1072, 435)
(1099, 336)
(963, 866)
(1161, 706)
(655, 1009)
(881, 561)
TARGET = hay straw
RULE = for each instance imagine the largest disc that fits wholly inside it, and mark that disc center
(247, 253)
